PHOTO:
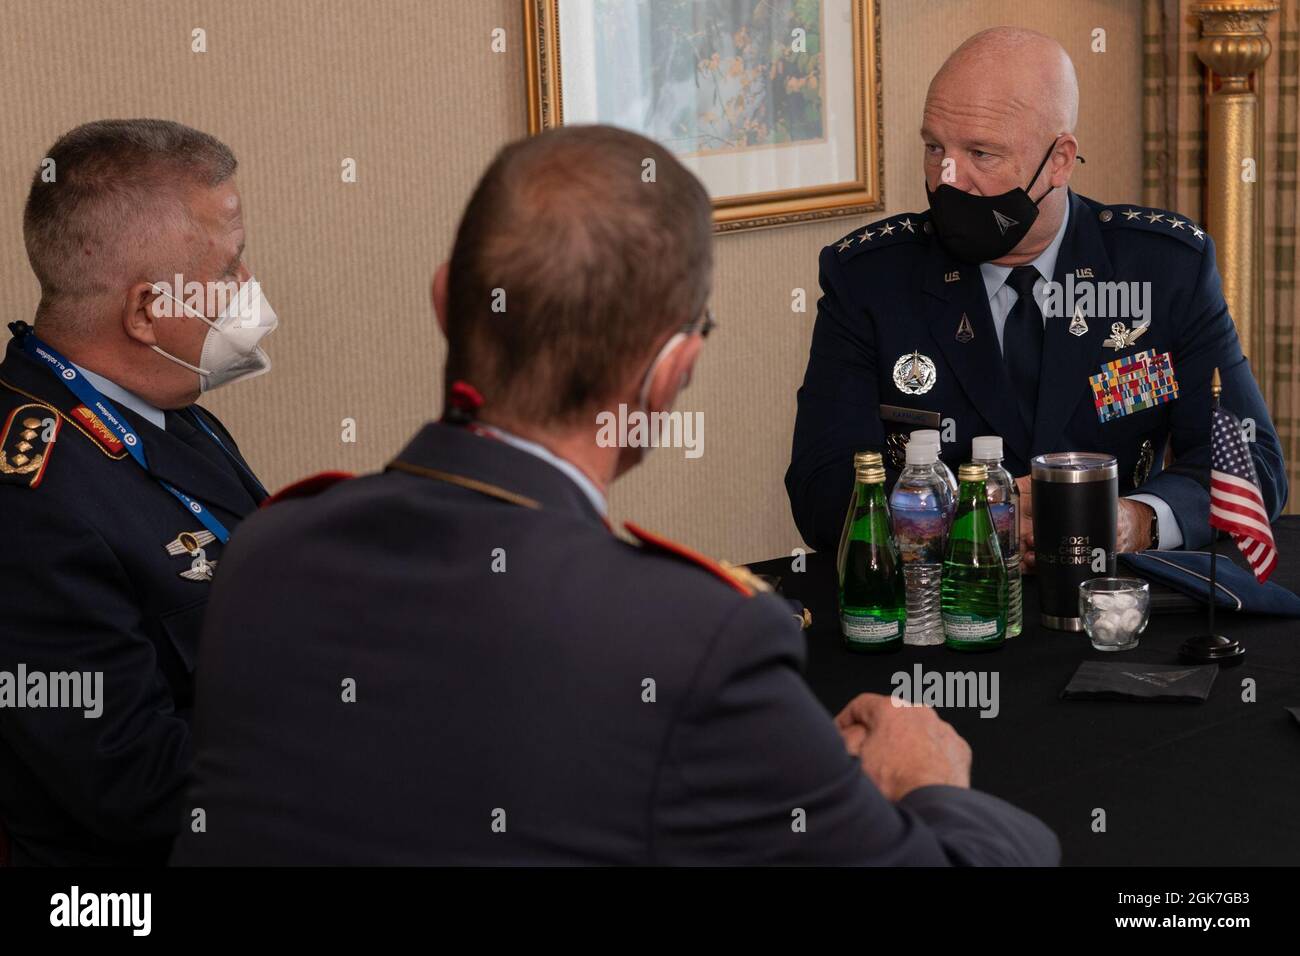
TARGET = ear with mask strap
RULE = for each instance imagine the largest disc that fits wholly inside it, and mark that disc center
(644, 398)
(1034, 178)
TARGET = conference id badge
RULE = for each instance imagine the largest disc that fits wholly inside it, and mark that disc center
(1133, 383)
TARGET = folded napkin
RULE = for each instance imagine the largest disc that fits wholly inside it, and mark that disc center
(1235, 587)
(1107, 680)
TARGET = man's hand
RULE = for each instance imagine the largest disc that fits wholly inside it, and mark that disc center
(1133, 528)
(903, 747)
(1026, 487)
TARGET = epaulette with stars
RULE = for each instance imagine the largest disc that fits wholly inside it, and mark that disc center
(26, 443)
(911, 226)
(1159, 221)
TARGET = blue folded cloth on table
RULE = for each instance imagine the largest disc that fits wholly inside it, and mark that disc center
(1235, 587)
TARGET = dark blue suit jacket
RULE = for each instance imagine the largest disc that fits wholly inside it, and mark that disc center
(87, 584)
(518, 695)
(891, 289)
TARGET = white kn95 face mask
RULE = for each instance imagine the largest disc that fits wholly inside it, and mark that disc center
(231, 350)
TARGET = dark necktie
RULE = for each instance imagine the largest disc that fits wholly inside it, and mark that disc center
(1022, 342)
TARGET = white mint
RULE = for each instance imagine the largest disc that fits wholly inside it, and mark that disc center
(1115, 625)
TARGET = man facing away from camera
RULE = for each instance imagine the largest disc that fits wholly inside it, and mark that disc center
(462, 663)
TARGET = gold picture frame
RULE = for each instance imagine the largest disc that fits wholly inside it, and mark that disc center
(738, 210)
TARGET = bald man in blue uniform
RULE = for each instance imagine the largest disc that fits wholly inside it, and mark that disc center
(1019, 308)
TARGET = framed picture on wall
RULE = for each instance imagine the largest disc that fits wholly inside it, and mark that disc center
(774, 104)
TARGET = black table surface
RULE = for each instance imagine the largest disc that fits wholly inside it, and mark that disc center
(1213, 783)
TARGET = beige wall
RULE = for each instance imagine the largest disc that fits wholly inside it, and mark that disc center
(412, 92)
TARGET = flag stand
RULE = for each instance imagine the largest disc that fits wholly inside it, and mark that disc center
(1213, 648)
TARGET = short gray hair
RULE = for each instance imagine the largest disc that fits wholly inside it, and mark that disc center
(107, 216)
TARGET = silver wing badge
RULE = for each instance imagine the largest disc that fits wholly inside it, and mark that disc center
(189, 542)
(1122, 338)
(192, 543)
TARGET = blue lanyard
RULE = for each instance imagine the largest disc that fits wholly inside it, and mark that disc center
(92, 399)
(198, 420)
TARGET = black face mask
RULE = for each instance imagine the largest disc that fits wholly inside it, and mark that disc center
(983, 228)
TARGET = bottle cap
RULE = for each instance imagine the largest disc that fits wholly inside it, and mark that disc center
(921, 453)
(926, 434)
(867, 458)
(986, 448)
(870, 474)
(973, 472)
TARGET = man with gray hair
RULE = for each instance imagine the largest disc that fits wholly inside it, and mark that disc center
(117, 491)
(480, 670)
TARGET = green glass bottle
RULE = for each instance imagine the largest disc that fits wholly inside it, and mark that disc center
(873, 603)
(974, 590)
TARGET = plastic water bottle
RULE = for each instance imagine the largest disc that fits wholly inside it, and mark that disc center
(931, 435)
(920, 509)
(1004, 504)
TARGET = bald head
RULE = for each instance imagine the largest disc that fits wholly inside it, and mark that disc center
(1016, 75)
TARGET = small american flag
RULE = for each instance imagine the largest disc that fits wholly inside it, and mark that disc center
(1236, 505)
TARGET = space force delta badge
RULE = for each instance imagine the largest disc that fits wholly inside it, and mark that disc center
(914, 374)
(1132, 384)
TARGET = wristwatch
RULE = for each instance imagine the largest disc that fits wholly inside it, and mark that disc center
(1154, 530)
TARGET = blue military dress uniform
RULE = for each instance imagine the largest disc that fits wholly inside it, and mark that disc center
(904, 339)
(103, 570)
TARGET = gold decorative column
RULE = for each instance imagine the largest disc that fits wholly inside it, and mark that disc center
(1233, 45)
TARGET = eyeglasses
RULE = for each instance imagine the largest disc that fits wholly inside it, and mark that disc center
(705, 324)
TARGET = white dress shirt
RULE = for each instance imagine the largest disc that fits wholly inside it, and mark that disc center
(1001, 299)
